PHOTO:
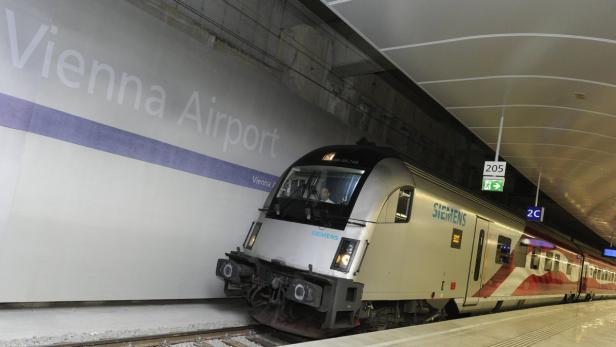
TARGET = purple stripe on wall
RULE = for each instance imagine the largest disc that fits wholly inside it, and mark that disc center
(24, 115)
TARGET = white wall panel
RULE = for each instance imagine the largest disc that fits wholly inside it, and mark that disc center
(80, 220)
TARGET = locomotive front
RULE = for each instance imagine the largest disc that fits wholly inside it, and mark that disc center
(298, 259)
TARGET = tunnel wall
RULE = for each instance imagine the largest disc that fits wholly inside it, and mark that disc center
(132, 156)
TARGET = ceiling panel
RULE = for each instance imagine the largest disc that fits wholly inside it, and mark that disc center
(523, 90)
(548, 65)
(551, 56)
(390, 23)
(538, 117)
(544, 135)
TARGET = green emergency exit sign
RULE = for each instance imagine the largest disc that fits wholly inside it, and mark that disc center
(493, 184)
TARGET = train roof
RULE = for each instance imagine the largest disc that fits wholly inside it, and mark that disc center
(349, 155)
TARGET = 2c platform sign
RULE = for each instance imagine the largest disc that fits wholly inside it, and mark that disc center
(494, 168)
(534, 214)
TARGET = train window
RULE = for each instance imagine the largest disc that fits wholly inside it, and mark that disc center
(534, 259)
(556, 262)
(317, 195)
(569, 267)
(520, 255)
(397, 208)
(548, 261)
(403, 211)
(503, 250)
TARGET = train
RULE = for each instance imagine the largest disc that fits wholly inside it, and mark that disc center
(355, 236)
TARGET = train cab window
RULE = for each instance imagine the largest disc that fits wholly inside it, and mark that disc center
(548, 261)
(569, 267)
(403, 211)
(397, 208)
(503, 250)
(535, 258)
(317, 195)
(520, 255)
(556, 263)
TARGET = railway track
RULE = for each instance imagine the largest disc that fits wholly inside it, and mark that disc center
(250, 336)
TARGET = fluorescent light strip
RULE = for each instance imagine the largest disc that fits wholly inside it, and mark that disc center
(489, 36)
(549, 157)
(480, 78)
(336, 2)
(533, 106)
(549, 144)
(551, 128)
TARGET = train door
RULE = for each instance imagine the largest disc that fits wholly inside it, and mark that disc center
(475, 270)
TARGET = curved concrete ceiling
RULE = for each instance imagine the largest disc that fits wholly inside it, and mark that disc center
(548, 65)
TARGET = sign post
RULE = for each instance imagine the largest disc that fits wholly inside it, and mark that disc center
(494, 171)
(535, 213)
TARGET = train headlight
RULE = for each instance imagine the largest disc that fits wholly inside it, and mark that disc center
(252, 235)
(344, 254)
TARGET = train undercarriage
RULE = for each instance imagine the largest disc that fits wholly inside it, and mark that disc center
(313, 305)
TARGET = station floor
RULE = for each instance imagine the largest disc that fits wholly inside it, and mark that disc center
(579, 324)
(61, 325)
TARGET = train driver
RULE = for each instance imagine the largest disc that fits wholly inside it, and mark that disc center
(325, 194)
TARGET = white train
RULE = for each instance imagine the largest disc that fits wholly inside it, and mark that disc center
(353, 235)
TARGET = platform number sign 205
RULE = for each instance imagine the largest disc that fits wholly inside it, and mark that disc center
(494, 168)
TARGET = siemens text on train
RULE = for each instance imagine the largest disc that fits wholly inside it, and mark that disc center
(450, 214)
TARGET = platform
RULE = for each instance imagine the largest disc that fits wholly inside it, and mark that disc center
(578, 324)
(55, 325)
